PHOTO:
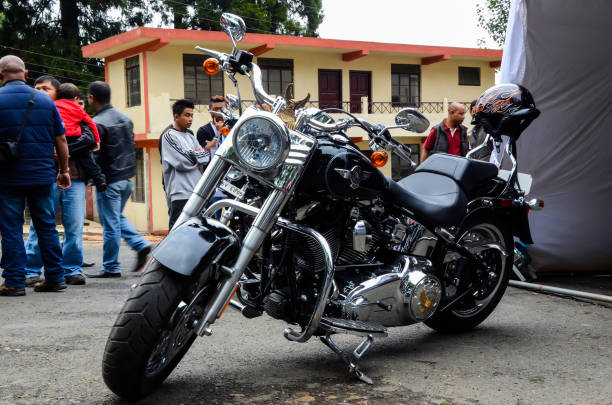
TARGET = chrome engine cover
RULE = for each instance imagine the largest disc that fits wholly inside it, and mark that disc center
(389, 299)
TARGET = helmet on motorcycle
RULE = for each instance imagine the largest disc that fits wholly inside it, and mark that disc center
(505, 109)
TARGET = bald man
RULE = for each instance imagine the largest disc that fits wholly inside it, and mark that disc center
(449, 136)
(29, 179)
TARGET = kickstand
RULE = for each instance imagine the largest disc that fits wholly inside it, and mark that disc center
(353, 368)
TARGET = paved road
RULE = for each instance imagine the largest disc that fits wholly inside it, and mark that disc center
(535, 349)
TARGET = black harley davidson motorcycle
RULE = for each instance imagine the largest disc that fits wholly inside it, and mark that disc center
(314, 234)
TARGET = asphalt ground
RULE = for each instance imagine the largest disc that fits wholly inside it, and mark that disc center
(534, 349)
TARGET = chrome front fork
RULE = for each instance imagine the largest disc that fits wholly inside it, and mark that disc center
(250, 244)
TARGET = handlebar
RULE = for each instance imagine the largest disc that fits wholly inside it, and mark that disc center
(378, 134)
(256, 81)
(334, 127)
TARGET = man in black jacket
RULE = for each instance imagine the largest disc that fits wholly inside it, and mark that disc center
(209, 133)
(117, 158)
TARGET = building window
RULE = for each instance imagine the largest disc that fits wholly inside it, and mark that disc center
(132, 78)
(139, 180)
(469, 76)
(200, 87)
(276, 74)
(401, 168)
(405, 85)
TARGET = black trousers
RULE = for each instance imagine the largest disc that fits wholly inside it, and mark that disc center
(174, 211)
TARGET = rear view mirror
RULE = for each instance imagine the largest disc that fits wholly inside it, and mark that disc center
(412, 120)
(233, 26)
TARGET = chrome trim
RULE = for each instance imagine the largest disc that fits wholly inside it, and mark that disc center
(315, 318)
(237, 205)
(316, 315)
(285, 140)
(535, 204)
(383, 299)
(479, 147)
(262, 224)
(336, 126)
(256, 81)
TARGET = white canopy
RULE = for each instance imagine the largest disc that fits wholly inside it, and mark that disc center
(561, 51)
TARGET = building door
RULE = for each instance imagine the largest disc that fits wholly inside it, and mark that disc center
(360, 87)
(330, 88)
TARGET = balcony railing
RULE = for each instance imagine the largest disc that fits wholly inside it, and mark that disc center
(375, 107)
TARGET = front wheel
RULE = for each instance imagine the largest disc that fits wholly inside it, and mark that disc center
(152, 332)
(475, 307)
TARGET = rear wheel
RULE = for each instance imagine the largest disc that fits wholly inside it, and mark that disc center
(152, 332)
(475, 307)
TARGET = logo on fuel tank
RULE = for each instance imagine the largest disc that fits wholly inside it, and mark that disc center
(355, 175)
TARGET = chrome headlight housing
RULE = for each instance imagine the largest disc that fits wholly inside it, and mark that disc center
(261, 141)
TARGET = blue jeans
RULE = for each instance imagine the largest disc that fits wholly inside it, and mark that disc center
(12, 205)
(115, 226)
(73, 216)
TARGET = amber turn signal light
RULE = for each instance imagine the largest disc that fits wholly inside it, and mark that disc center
(211, 66)
(379, 159)
(225, 131)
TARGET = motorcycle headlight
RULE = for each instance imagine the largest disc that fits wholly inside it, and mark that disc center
(261, 141)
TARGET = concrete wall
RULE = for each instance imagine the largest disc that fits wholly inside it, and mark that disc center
(117, 81)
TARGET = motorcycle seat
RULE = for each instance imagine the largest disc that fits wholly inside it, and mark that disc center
(433, 198)
(466, 172)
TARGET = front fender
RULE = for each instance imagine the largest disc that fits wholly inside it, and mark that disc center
(195, 244)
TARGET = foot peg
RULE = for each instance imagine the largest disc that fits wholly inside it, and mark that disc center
(357, 353)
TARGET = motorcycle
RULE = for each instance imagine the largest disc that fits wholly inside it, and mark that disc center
(314, 234)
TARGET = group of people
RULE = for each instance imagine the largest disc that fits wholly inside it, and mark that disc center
(56, 140)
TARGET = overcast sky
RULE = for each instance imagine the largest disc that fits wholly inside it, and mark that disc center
(422, 22)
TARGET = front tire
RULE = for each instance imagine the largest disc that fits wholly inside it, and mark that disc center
(151, 334)
(474, 309)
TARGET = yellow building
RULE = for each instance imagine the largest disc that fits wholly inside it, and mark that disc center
(149, 68)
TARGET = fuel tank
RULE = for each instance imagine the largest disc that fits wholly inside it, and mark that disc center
(341, 171)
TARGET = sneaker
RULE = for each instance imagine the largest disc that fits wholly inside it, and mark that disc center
(75, 279)
(143, 255)
(30, 281)
(44, 286)
(12, 291)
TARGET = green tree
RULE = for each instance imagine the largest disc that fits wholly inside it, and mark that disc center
(48, 34)
(493, 17)
(289, 17)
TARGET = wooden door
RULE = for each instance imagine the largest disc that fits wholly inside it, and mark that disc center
(360, 87)
(330, 88)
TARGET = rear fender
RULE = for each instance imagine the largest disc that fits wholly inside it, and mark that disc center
(195, 244)
(515, 215)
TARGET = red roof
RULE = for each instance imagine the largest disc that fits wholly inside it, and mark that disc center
(150, 39)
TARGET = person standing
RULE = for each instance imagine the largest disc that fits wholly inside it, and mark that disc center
(209, 133)
(210, 137)
(72, 201)
(30, 178)
(449, 136)
(182, 157)
(117, 158)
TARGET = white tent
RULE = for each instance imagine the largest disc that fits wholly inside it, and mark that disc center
(562, 52)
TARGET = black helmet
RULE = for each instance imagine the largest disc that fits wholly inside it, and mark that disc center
(505, 109)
